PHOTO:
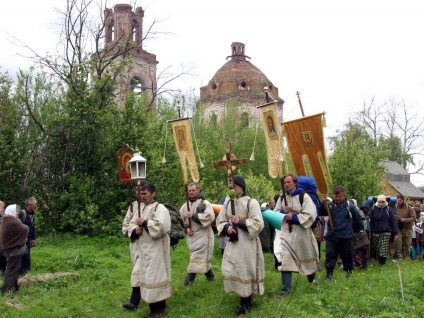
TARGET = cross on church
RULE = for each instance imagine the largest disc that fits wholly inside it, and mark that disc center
(229, 163)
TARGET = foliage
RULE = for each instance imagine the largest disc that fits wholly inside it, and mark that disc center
(12, 139)
(103, 285)
(212, 139)
(259, 187)
(354, 162)
(61, 128)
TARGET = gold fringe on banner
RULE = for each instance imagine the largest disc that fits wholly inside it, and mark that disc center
(184, 145)
(305, 140)
(273, 139)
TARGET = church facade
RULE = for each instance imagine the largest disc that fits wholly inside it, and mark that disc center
(240, 81)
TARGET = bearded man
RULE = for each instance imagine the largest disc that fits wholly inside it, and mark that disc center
(405, 215)
(298, 246)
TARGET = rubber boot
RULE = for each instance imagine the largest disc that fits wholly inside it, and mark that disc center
(312, 277)
(161, 306)
(210, 275)
(248, 303)
(286, 278)
(157, 309)
(189, 279)
(244, 305)
(134, 299)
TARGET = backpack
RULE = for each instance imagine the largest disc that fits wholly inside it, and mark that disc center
(177, 228)
(22, 215)
(307, 183)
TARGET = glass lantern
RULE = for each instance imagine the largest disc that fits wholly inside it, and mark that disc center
(138, 166)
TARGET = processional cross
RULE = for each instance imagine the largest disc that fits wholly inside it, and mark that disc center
(229, 163)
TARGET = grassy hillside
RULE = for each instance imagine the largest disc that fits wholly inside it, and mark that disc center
(103, 284)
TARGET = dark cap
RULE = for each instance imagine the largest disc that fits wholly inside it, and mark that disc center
(240, 182)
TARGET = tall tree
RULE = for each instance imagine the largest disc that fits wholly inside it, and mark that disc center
(354, 162)
(12, 139)
(397, 127)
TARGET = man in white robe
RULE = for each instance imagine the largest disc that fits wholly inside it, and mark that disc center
(200, 238)
(298, 248)
(153, 227)
(243, 261)
(135, 298)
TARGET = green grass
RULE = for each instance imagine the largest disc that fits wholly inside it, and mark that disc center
(103, 285)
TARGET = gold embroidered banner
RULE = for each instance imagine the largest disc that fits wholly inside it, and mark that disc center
(184, 145)
(305, 139)
(273, 139)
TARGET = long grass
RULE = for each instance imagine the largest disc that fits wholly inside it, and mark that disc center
(103, 285)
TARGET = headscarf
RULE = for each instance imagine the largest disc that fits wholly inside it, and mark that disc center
(381, 197)
(11, 210)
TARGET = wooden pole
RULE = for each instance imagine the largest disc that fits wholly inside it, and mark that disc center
(300, 104)
(188, 205)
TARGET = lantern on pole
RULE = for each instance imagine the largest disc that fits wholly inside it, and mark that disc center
(138, 167)
(138, 172)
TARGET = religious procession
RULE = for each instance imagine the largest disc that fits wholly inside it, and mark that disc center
(294, 225)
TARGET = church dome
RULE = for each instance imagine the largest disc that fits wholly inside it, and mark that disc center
(238, 79)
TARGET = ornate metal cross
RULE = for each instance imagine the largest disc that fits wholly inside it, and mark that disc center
(229, 163)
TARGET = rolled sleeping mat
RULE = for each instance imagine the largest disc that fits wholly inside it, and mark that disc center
(216, 208)
(274, 218)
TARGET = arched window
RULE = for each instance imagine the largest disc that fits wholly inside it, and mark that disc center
(137, 85)
(134, 27)
(110, 32)
(245, 120)
(213, 119)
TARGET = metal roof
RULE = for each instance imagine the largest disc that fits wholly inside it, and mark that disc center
(399, 179)
(407, 189)
(393, 167)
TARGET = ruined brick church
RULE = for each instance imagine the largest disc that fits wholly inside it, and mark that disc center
(237, 80)
(241, 81)
(123, 27)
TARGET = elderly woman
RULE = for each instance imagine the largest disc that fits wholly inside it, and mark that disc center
(13, 236)
(383, 224)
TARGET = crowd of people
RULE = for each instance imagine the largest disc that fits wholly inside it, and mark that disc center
(352, 236)
(17, 237)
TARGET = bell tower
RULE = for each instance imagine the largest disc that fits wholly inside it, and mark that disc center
(123, 30)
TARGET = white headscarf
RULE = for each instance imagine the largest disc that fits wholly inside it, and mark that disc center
(11, 210)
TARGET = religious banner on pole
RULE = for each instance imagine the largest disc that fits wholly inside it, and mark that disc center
(273, 139)
(184, 145)
(305, 140)
(124, 154)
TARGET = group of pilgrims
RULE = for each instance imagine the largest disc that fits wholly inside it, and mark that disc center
(240, 219)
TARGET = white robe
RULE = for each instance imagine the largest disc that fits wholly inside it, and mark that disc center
(243, 261)
(201, 243)
(154, 252)
(299, 248)
(135, 273)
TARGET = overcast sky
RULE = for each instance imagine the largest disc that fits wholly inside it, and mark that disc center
(336, 53)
